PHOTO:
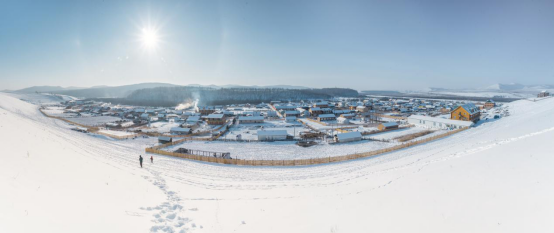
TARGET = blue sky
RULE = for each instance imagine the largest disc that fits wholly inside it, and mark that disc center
(357, 44)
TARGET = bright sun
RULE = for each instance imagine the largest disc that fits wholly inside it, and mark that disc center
(149, 38)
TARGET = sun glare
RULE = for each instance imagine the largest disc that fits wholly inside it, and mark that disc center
(150, 38)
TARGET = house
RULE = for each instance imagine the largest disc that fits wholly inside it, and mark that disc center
(388, 125)
(348, 137)
(164, 140)
(342, 120)
(543, 94)
(180, 131)
(466, 112)
(192, 120)
(438, 123)
(215, 119)
(285, 108)
(272, 135)
(251, 119)
(317, 111)
(362, 109)
(292, 113)
(322, 104)
(206, 110)
(290, 118)
(340, 112)
(348, 115)
(326, 117)
(489, 104)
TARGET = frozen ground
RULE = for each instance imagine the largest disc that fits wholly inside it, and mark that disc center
(493, 178)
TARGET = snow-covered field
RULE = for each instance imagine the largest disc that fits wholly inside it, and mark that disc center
(496, 177)
(285, 150)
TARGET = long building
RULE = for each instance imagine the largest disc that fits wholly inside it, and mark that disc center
(438, 123)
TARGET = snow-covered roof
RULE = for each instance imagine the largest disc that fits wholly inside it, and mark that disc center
(441, 120)
(349, 135)
(251, 118)
(471, 108)
(179, 129)
(193, 118)
(272, 132)
(390, 124)
(167, 139)
(327, 116)
(215, 116)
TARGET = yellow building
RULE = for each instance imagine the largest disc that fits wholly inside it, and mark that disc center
(466, 112)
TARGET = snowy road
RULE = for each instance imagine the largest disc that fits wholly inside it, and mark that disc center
(493, 178)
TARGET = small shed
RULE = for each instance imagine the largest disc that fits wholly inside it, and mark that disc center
(164, 140)
(388, 125)
(348, 137)
(216, 119)
(290, 118)
(326, 117)
(251, 119)
(272, 135)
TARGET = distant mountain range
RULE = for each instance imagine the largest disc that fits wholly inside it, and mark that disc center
(253, 86)
(126, 90)
(46, 89)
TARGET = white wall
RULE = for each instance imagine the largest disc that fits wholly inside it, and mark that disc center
(433, 124)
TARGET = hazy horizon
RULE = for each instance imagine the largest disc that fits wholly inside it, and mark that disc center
(364, 45)
(231, 84)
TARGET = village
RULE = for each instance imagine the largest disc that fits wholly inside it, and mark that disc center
(279, 129)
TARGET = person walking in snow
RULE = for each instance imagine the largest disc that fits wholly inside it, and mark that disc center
(152, 159)
(140, 160)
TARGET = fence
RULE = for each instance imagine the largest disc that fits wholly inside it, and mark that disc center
(299, 162)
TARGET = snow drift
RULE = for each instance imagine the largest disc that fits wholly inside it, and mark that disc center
(496, 177)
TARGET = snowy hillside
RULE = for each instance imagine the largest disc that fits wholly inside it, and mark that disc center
(496, 177)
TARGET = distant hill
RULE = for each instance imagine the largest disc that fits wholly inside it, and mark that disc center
(45, 89)
(110, 92)
(103, 91)
(271, 86)
(171, 96)
(506, 87)
(243, 86)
